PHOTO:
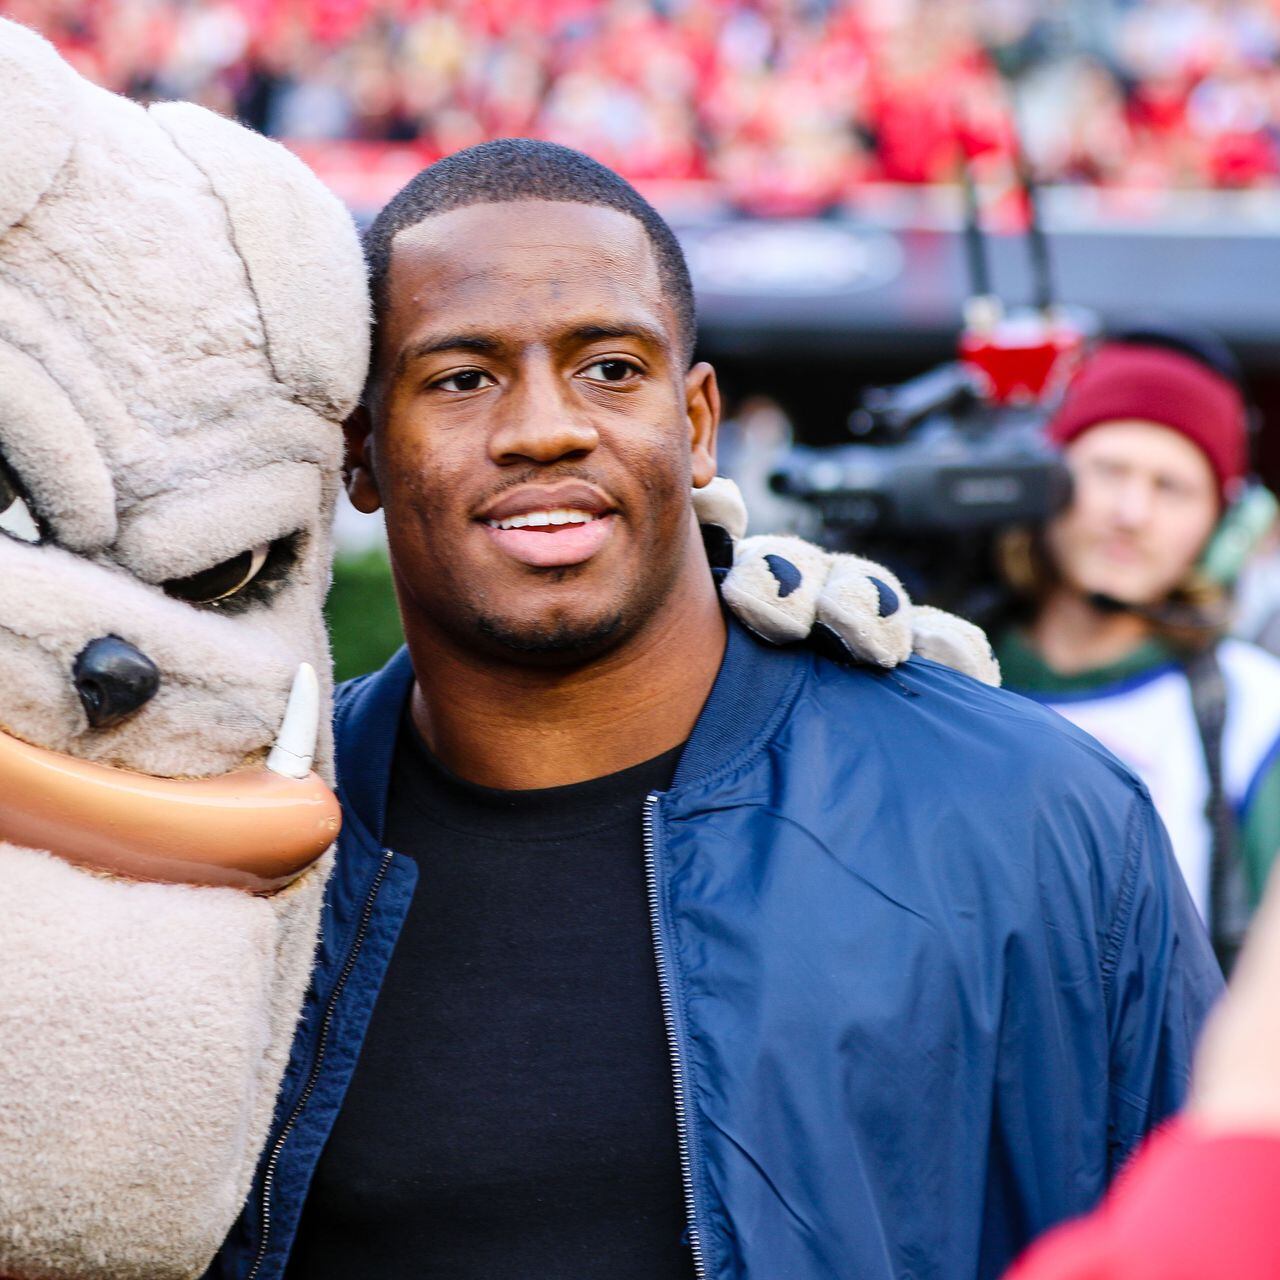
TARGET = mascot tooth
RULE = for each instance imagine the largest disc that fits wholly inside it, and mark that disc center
(183, 322)
(295, 744)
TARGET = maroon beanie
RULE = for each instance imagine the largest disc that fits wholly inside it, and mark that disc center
(1123, 380)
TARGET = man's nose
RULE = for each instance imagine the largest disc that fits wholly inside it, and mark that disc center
(1133, 504)
(541, 422)
(113, 680)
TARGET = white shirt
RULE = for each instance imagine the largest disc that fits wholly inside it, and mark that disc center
(1148, 722)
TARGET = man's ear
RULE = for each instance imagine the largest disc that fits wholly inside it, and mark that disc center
(357, 465)
(702, 408)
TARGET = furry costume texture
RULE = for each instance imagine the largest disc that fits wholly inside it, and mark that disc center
(182, 311)
(785, 589)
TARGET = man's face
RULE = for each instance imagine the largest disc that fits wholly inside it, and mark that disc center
(1145, 502)
(535, 434)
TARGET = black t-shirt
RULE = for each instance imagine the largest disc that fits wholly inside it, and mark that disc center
(512, 1114)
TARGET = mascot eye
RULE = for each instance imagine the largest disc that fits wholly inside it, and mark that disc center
(220, 581)
(15, 515)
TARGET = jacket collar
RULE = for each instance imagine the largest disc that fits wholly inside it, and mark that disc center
(365, 725)
(752, 692)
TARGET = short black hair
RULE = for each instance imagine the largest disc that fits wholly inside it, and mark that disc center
(511, 169)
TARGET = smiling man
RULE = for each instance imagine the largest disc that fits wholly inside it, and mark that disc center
(548, 428)
(722, 960)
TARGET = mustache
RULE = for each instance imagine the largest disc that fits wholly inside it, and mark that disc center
(547, 476)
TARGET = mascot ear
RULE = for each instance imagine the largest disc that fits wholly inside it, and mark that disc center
(37, 97)
(300, 248)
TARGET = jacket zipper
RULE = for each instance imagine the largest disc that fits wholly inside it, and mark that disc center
(268, 1180)
(673, 1043)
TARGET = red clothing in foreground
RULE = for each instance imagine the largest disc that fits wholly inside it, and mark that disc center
(1189, 1207)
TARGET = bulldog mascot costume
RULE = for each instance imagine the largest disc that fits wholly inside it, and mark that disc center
(183, 322)
(183, 328)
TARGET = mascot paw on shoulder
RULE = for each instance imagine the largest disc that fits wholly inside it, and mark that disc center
(182, 330)
(787, 590)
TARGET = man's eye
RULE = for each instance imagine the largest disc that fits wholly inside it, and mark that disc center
(467, 380)
(16, 518)
(220, 581)
(610, 371)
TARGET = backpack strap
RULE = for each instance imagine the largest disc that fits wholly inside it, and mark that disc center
(1229, 907)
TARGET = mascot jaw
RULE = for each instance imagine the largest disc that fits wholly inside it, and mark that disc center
(256, 828)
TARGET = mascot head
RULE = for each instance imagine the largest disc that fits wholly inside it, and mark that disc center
(183, 315)
(183, 327)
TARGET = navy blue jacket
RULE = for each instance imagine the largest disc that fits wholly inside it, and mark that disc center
(928, 967)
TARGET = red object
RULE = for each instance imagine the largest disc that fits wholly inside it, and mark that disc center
(1024, 367)
(1241, 159)
(1189, 1207)
(1153, 384)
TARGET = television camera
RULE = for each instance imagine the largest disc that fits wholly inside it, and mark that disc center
(939, 464)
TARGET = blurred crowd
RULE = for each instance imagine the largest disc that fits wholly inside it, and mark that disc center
(785, 103)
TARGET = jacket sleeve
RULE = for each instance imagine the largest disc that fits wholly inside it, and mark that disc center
(1161, 978)
(1189, 1207)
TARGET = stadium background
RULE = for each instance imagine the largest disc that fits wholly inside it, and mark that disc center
(807, 153)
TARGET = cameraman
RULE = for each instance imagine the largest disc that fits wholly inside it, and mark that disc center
(1121, 634)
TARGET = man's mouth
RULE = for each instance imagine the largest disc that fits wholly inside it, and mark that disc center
(1122, 552)
(549, 520)
(256, 828)
(550, 526)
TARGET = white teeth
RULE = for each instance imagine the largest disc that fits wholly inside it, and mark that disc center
(540, 519)
(295, 745)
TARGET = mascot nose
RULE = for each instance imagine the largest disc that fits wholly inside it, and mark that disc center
(113, 680)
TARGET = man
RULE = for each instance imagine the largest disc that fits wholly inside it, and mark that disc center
(723, 961)
(1122, 633)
